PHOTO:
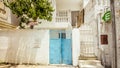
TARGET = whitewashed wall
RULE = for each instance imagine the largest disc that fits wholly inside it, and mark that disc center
(75, 46)
(89, 12)
(24, 46)
(68, 5)
(4, 42)
(105, 50)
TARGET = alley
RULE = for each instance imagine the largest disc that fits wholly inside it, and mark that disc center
(59, 33)
(37, 66)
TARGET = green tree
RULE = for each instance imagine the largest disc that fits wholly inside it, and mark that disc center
(30, 9)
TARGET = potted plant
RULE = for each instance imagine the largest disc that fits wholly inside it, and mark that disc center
(30, 11)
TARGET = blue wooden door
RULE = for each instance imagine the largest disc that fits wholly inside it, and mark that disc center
(66, 51)
(55, 51)
(60, 48)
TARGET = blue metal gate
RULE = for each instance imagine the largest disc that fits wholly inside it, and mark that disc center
(60, 47)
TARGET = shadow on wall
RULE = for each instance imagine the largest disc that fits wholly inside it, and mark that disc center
(14, 20)
(25, 46)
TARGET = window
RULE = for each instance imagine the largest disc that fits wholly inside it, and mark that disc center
(62, 35)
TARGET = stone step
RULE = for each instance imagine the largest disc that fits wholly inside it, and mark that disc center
(87, 58)
(90, 64)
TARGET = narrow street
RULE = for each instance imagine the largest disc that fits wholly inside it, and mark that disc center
(59, 33)
(36, 66)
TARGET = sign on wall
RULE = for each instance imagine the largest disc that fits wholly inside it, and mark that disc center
(104, 39)
(107, 16)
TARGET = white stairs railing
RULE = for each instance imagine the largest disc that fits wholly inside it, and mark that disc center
(87, 43)
(87, 49)
(63, 16)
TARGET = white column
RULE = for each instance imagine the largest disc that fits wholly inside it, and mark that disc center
(75, 46)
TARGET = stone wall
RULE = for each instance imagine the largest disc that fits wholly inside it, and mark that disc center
(117, 20)
(103, 28)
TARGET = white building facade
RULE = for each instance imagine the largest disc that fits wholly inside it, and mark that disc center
(94, 12)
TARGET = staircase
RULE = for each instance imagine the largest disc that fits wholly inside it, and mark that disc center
(88, 48)
(90, 64)
(87, 51)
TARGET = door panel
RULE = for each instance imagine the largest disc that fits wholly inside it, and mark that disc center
(66, 51)
(55, 51)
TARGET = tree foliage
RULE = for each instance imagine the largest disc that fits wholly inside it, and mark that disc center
(35, 9)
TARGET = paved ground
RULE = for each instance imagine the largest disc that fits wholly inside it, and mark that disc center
(43, 66)
(36, 66)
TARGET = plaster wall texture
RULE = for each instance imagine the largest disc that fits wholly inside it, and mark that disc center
(25, 46)
(117, 20)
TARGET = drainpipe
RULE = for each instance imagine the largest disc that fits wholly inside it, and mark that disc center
(99, 24)
(114, 47)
